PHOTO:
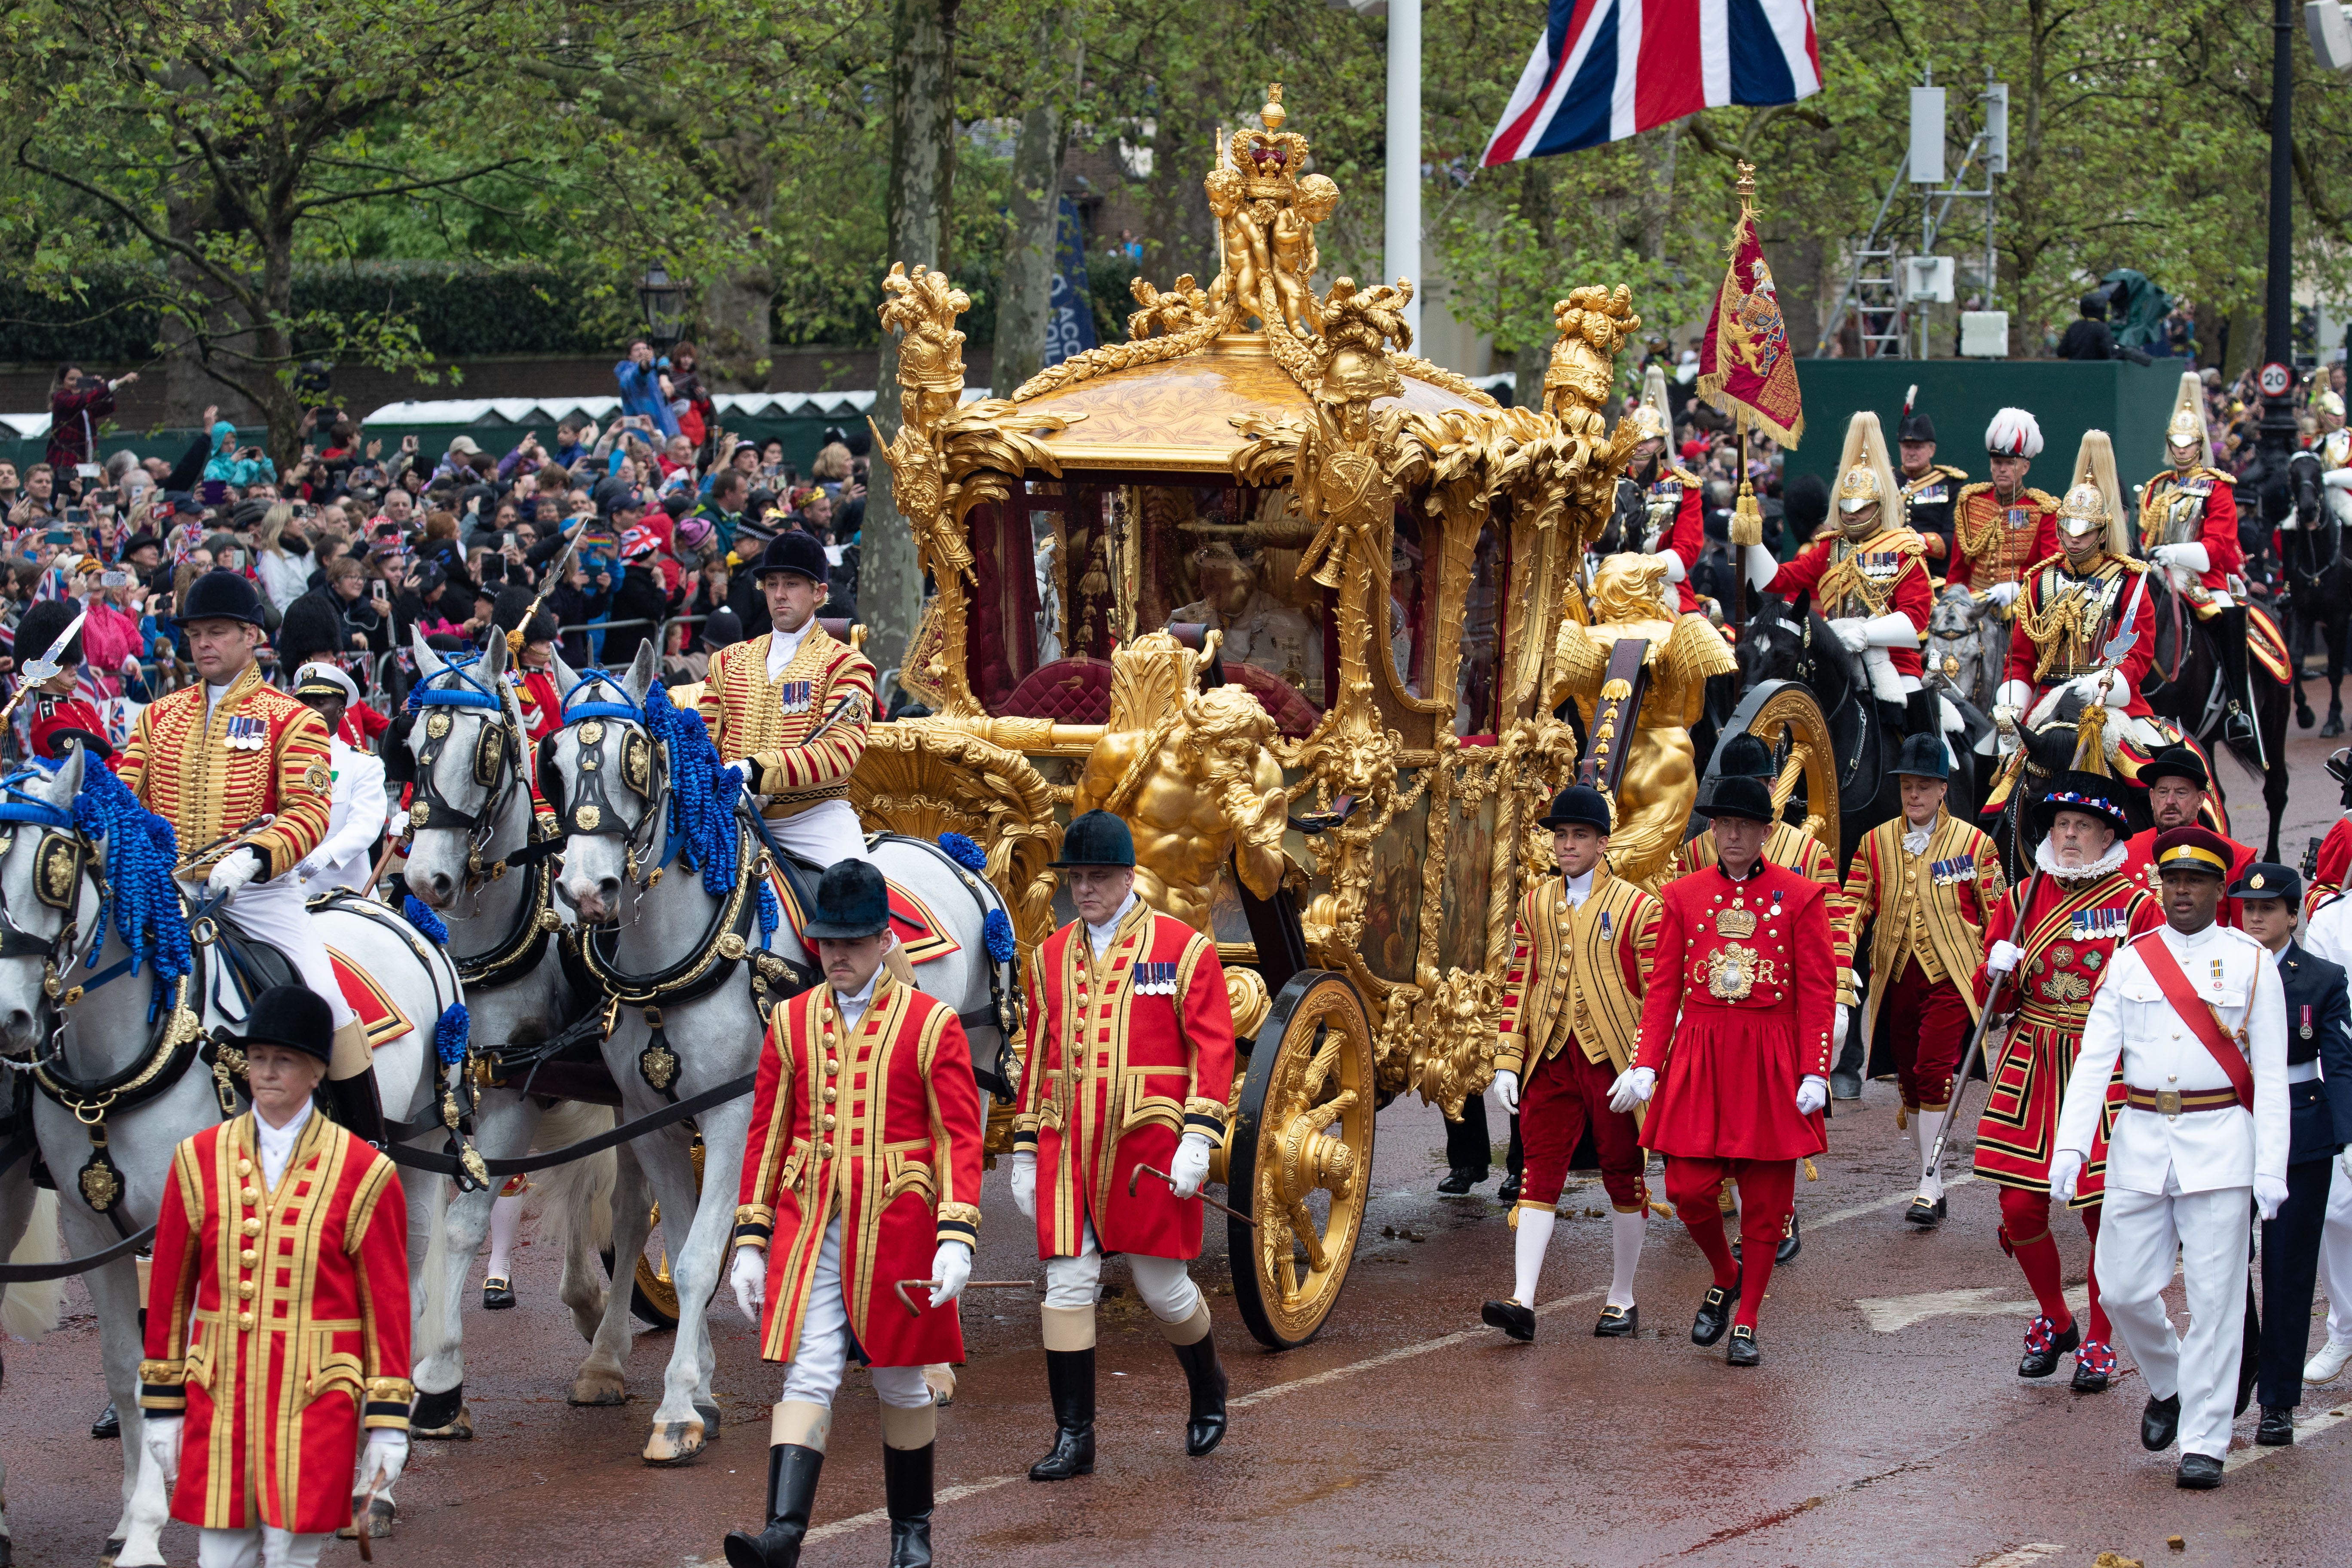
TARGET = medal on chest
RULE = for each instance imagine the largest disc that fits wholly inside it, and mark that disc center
(2305, 1031)
(795, 696)
(1155, 979)
(2097, 925)
(244, 733)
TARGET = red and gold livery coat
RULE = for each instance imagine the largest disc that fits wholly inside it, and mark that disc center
(1577, 973)
(56, 716)
(2139, 864)
(1741, 996)
(261, 754)
(1885, 574)
(1125, 1053)
(2327, 873)
(278, 1323)
(1997, 539)
(771, 721)
(1932, 907)
(2071, 934)
(1798, 851)
(875, 1125)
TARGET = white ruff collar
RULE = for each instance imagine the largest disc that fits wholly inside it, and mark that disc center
(2105, 866)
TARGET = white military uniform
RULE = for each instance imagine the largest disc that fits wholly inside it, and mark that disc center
(343, 859)
(2329, 934)
(2183, 1183)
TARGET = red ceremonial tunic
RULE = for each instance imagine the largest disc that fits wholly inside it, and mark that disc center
(2217, 519)
(2070, 938)
(543, 705)
(53, 715)
(1124, 1055)
(2334, 860)
(1889, 569)
(880, 1131)
(1995, 540)
(2139, 864)
(1685, 539)
(2042, 613)
(1738, 1011)
(277, 1322)
(259, 755)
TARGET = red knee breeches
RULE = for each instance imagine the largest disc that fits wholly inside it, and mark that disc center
(1562, 1097)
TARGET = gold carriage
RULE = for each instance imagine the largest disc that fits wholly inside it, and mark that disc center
(1301, 608)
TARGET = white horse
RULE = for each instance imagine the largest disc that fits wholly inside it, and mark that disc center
(29, 1235)
(1967, 643)
(472, 816)
(630, 807)
(60, 898)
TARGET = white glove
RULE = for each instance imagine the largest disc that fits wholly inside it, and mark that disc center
(380, 1461)
(1812, 1093)
(1762, 567)
(2269, 1192)
(952, 1267)
(750, 1277)
(2005, 956)
(1190, 1168)
(2338, 479)
(1838, 1021)
(2109, 687)
(1507, 1090)
(2001, 594)
(2065, 1170)
(2344, 1162)
(1633, 1086)
(1853, 631)
(2187, 557)
(241, 865)
(161, 1435)
(1025, 1184)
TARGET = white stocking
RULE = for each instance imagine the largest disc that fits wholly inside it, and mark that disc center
(505, 1215)
(1625, 1232)
(1535, 1235)
(1930, 1124)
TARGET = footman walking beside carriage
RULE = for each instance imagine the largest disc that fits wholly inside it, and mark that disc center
(862, 1171)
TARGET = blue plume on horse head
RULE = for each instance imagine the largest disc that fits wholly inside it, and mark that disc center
(702, 792)
(140, 852)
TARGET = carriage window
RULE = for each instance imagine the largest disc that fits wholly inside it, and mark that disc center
(1230, 561)
(1482, 639)
(1409, 609)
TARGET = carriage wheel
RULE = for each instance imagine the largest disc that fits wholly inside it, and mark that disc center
(1301, 1157)
(1785, 717)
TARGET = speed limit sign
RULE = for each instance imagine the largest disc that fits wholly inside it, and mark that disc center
(2274, 380)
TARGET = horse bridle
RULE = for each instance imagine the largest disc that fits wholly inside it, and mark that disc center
(590, 810)
(497, 765)
(65, 863)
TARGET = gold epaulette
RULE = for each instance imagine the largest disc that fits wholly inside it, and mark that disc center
(2230, 479)
(1973, 488)
(1684, 474)
(2042, 499)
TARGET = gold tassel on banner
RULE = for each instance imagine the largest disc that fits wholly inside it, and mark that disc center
(2090, 741)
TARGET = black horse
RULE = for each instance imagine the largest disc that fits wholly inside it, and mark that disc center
(2188, 686)
(2313, 545)
(2049, 752)
(1785, 641)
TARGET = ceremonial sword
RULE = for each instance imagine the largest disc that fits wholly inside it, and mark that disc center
(45, 669)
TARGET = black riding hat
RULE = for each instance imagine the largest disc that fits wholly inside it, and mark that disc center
(2085, 792)
(42, 624)
(1916, 427)
(291, 1016)
(1739, 795)
(1744, 756)
(1924, 756)
(1096, 839)
(2175, 763)
(793, 550)
(852, 901)
(1579, 806)
(221, 596)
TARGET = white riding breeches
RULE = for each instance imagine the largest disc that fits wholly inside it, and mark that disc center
(827, 833)
(1165, 1283)
(823, 1354)
(266, 1547)
(272, 912)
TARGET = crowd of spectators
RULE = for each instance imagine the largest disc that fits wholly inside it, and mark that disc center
(372, 543)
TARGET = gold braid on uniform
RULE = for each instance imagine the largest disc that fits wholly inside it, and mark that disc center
(1973, 544)
(2072, 614)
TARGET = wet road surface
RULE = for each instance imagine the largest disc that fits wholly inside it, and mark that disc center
(1886, 1425)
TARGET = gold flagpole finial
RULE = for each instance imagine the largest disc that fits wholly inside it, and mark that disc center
(1747, 184)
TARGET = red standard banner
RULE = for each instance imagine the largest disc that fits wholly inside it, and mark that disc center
(1745, 366)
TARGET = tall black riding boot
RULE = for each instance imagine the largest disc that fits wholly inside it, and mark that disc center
(906, 1493)
(1070, 1379)
(793, 1472)
(353, 1103)
(1206, 1378)
(2238, 708)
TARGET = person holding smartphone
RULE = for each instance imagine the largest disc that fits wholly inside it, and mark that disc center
(76, 403)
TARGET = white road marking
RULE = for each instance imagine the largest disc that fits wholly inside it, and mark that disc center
(1891, 1315)
(2021, 1556)
(877, 1515)
(2310, 1425)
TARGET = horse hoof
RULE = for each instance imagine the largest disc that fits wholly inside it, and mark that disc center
(598, 1388)
(114, 1550)
(2304, 717)
(675, 1443)
(381, 1513)
(710, 1414)
(459, 1428)
(2332, 728)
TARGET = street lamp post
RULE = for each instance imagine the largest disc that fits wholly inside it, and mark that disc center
(662, 301)
(2278, 433)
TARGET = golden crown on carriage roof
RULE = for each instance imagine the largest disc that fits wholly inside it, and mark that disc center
(1269, 159)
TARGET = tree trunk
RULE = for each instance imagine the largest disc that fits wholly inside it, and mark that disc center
(188, 389)
(922, 172)
(736, 309)
(1024, 303)
(1530, 360)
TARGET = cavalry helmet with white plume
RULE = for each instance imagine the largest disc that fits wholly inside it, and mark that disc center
(1651, 417)
(2014, 433)
(1864, 475)
(2186, 427)
(2094, 499)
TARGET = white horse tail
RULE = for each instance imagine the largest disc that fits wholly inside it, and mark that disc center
(580, 1191)
(28, 1312)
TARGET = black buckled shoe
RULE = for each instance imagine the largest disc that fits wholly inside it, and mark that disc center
(1070, 1380)
(1742, 1351)
(1715, 1313)
(2198, 1473)
(793, 1472)
(2277, 1430)
(1460, 1179)
(1205, 1377)
(907, 1494)
(1618, 1323)
(2160, 1421)
(1924, 1214)
(2045, 1344)
(498, 1294)
(107, 1424)
(1508, 1193)
(1792, 1241)
(1514, 1319)
(2095, 1364)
